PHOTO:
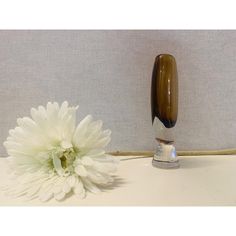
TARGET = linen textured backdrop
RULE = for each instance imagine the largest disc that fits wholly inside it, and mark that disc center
(108, 73)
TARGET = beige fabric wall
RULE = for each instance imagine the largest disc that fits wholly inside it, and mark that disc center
(108, 73)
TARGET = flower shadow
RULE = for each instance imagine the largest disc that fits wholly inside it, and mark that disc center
(193, 163)
(117, 182)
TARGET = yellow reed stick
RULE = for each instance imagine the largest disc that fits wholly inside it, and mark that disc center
(180, 153)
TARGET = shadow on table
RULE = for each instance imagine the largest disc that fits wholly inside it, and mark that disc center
(200, 162)
(118, 182)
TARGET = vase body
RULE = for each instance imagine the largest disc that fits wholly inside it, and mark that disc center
(164, 106)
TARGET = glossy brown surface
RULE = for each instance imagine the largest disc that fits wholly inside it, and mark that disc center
(164, 91)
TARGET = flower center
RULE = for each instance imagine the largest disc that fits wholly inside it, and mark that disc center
(63, 159)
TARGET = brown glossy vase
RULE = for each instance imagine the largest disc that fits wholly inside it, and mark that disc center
(164, 104)
(164, 92)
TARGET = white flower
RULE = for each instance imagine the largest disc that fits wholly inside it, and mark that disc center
(51, 157)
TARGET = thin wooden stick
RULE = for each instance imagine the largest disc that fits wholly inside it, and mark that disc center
(180, 153)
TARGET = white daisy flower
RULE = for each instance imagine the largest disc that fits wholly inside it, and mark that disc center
(51, 157)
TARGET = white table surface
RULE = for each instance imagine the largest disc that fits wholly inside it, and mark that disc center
(200, 181)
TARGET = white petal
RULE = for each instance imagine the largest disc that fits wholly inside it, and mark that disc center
(66, 144)
(102, 142)
(79, 190)
(87, 161)
(66, 188)
(105, 167)
(95, 152)
(81, 171)
(71, 180)
(33, 190)
(81, 195)
(60, 196)
(81, 130)
(45, 196)
(99, 178)
(57, 189)
(90, 186)
(57, 165)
